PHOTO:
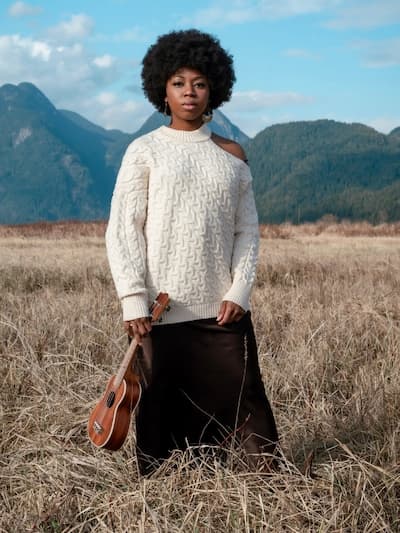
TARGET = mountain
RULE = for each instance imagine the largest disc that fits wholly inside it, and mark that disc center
(395, 132)
(51, 168)
(55, 164)
(305, 170)
(115, 141)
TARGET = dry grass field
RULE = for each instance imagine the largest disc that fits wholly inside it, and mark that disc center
(326, 307)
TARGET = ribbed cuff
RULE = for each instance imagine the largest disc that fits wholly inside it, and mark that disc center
(134, 306)
(239, 293)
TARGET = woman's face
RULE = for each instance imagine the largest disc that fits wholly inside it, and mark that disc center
(187, 94)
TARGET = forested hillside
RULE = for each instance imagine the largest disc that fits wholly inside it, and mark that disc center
(305, 170)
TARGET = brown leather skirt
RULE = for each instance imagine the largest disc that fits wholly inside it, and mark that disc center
(203, 386)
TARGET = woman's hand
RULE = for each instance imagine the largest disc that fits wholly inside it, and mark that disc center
(229, 312)
(138, 328)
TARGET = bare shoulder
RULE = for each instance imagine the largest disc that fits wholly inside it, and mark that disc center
(230, 146)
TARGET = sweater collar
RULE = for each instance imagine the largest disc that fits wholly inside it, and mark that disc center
(201, 134)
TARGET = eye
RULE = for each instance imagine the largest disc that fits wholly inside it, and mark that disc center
(177, 83)
(200, 85)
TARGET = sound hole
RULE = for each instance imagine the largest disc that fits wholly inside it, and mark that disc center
(110, 399)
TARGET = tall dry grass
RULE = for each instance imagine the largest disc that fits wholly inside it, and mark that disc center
(327, 318)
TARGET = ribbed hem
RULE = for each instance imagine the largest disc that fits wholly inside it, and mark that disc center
(183, 136)
(181, 313)
(239, 294)
(134, 306)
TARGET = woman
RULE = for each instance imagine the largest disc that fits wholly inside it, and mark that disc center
(183, 221)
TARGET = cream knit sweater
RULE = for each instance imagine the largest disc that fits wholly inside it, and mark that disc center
(182, 221)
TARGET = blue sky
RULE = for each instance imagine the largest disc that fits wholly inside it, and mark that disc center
(294, 59)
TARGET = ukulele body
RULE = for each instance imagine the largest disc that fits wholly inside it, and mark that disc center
(108, 424)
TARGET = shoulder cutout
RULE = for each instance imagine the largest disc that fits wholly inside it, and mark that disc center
(232, 147)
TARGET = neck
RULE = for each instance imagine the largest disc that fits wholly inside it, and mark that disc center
(186, 125)
(187, 136)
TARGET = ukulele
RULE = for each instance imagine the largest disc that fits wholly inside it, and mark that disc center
(109, 421)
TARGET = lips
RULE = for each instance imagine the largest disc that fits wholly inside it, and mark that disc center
(189, 106)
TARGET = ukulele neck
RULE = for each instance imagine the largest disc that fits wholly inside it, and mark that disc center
(127, 360)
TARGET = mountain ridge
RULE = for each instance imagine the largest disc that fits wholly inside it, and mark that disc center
(55, 164)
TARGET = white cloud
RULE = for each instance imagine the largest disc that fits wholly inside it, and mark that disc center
(250, 125)
(72, 79)
(253, 123)
(274, 9)
(114, 112)
(13, 48)
(62, 72)
(105, 61)
(366, 14)
(380, 54)
(253, 111)
(106, 98)
(254, 101)
(39, 49)
(77, 27)
(241, 11)
(22, 9)
(343, 14)
(135, 34)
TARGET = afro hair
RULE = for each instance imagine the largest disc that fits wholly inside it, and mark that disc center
(191, 49)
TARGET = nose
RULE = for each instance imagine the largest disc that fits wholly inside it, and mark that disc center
(188, 90)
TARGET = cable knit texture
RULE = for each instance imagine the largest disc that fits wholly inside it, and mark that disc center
(183, 221)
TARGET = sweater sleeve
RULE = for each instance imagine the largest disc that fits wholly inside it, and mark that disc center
(245, 246)
(125, 241)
